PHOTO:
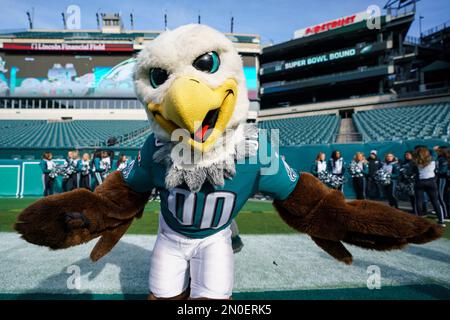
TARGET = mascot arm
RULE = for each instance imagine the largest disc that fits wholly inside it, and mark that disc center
(75, 217)
(329, 220)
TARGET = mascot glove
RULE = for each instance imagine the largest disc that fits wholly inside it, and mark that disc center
(329, 220)
(75, 217)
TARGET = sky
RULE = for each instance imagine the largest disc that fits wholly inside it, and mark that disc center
(274, 20)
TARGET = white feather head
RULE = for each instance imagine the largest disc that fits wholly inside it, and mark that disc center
(175, 51)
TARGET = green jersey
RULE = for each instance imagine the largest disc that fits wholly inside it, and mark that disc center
(213, 208)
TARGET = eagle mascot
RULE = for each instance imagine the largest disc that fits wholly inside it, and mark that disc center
(206, 161)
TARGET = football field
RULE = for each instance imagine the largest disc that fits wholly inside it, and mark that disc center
(275, 263)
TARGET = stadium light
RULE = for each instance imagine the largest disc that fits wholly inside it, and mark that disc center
(98, 20)
(420, 27)
(64, 20)
(30, 17)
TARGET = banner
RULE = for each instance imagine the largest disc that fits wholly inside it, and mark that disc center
(324, 58)
(89, 47)
(330, 25)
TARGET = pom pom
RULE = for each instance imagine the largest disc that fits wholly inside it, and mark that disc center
(355, 170)
(383, 177)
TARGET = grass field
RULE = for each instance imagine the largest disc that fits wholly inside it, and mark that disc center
(257, 217)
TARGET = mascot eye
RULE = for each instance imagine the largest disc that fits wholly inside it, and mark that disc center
(208, 62)
(157, 77)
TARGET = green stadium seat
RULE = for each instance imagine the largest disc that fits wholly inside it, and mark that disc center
(430, 121)
(304, 130)
(72, 134)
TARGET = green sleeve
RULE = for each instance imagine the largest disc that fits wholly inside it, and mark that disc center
(97, 166)
(276, 179)
(442, 167)
(433, 154)
(314, 169)
(78, 168)
(330, 165)
(137, 174)
(395, 171)
(365, 169)
(43, 165)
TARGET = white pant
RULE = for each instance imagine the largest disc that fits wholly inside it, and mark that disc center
(208, 262)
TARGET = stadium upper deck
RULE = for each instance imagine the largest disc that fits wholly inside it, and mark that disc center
(334, 56)
(350, 57)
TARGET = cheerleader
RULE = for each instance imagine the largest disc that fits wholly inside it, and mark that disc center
(70, 175)
(105, 163)
(425, 168)
(76, 175)
(390, 166)
(406, 176)
(442, 178)
(121, 162)
(336, 166)
(48, 176)
(100, 167)
(320, 165)
(359, 170)
(84, 171)
(97, 169)
(447, 185)
(373, 188)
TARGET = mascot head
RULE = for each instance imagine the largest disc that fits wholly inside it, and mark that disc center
(191, 78)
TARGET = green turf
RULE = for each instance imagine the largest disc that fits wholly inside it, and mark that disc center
(405, 292)
(256, 217)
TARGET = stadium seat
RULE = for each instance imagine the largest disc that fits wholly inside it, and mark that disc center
(428, 121)
(304, 130)
(71, 134)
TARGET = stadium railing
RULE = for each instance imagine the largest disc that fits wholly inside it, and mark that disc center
(69, 103)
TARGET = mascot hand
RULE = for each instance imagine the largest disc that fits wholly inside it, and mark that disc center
(323, 214)
(75, 217)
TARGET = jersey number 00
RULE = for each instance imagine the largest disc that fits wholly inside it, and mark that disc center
(183, 205)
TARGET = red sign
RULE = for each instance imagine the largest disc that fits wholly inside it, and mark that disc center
(330, 25)
(97, 47)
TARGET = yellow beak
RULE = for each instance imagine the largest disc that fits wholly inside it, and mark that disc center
(192, 105)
